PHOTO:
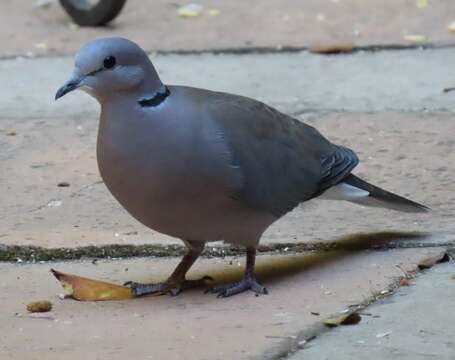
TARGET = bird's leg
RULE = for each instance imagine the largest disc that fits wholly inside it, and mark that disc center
(248, 282)
(176, 282)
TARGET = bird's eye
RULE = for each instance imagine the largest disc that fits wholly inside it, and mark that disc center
(109, 62)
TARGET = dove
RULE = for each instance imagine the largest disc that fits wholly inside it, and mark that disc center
(204, 166)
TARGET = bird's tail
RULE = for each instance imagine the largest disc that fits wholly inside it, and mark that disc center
(358, 191)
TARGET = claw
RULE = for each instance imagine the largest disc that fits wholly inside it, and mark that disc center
(247, 283)
(168, 287)
(175, 291)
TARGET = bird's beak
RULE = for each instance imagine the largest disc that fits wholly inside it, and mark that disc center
(72, 84)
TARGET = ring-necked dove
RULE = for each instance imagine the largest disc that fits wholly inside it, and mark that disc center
(202, 165)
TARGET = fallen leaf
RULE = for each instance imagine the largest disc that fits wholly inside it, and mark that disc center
(421, 4)
(405, 282)
(333, 48)
(214, 12)
(39, 306)
(342, 319)
(451, 26)
(452, 277)
(190, 10)
(430, 261)
(418, 39)
(84, 289)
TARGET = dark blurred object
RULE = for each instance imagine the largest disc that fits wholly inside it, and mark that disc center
(92, 13)
(332, 48)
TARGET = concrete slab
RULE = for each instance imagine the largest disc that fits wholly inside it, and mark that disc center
(192, 325)
(35, 211)
(388, 106)
(241, 24)
(301, 83)
(408, 325)
(55, 142)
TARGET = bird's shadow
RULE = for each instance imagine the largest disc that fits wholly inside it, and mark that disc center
(276, 267)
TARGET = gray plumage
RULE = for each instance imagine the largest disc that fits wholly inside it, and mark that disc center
(203, 165)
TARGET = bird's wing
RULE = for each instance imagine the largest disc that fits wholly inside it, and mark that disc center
(282, 160)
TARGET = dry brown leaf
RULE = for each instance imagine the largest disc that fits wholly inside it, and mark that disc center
(452, 277)
(39, 306)
(333, 48)
(417, 39)
(430, 261)
(343, 319)
(84, 289)
(405, 282)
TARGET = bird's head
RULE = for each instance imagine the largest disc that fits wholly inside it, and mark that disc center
(108, 66)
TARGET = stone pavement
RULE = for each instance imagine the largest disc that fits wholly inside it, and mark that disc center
(408, 325)
(193, 325)
(387, 105)
(241, 26)
(400, 124)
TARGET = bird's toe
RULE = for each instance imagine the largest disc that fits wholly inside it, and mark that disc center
(247, 283)
(171, 287)
(139, 289)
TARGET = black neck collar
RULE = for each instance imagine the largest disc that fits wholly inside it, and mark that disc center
(161, 95)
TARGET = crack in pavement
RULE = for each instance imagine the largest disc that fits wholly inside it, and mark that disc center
(379, 241)
(253, 50)
(292, 344)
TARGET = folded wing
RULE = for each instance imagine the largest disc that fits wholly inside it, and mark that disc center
(282, 161)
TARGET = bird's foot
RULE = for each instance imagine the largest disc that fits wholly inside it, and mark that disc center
(247, 283)
(171, 287)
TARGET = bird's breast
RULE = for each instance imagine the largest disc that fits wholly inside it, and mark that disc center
(165, 171)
